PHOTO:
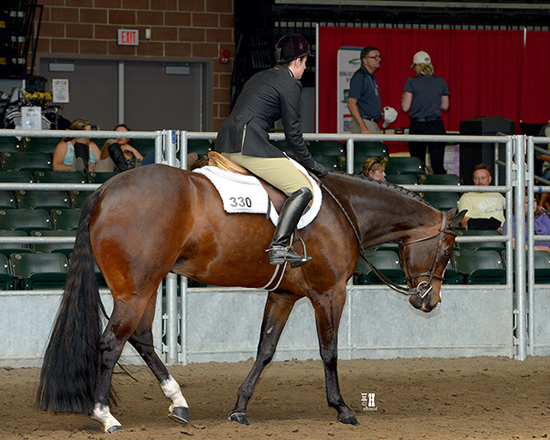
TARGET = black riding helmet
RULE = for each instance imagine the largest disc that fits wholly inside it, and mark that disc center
(291, 47)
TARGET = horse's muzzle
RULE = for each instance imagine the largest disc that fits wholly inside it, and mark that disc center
(429, 302)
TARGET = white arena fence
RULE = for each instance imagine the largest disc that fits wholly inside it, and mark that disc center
(222, 324)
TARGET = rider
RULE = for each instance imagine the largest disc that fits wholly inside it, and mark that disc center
(243, 138)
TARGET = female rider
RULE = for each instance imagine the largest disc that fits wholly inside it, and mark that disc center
(243, 138)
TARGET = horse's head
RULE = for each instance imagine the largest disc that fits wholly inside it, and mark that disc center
(425, 260)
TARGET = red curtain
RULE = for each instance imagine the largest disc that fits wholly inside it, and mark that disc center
(535, 96)
(488, 72)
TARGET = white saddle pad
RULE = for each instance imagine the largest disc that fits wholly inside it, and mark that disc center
(245, 194)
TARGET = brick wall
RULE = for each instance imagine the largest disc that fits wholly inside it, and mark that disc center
(179, 28)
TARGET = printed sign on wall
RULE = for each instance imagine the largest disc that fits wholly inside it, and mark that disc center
(348, 62)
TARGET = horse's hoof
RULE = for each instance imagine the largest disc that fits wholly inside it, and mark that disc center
(180, 414)
(114, 429)
(239, 417)
(350, 420)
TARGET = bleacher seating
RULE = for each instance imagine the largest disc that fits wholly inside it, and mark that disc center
(7, 200)
(39, 271)
(6, 280)
(100, 177)
(404, 165)
(330, 162)
(386, 261)
(325, 148)
(442, 200)
(9, 248)
(16, 176)
(485, 245)
(439, 179)
(8, 143)
(40, 144)
(542, 265)
(24, 219)
(402, 179)
(65, 219)
(25, 161)
(480, 267)
(78, 198)
(64, 248)
(42, 199)
(50, 176)
(370, 149)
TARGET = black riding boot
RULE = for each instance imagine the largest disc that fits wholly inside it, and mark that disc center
(280, 250)
(81, 156)
(118, 157)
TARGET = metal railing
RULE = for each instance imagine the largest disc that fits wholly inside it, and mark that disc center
(171, 148)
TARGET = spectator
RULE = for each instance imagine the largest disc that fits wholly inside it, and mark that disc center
(364, 98)
(545, 157)
(375, 168)
(425, 95)
(541, 226)
(118, 154)
(76, 154)
(485, 210)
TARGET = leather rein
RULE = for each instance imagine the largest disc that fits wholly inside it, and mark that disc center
(424, 287)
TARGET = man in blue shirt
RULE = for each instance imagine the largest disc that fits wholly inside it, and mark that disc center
(364, 98)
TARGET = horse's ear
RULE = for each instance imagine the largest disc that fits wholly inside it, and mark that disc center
(455, 219)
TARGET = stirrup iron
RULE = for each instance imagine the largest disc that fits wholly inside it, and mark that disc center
(305, 257)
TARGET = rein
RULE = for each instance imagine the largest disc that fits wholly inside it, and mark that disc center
(424, 287)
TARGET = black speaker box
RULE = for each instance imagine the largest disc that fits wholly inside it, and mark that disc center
(473, 154)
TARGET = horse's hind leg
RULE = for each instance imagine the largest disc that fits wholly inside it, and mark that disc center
(122, 324)
(142, 340)
(276, 313)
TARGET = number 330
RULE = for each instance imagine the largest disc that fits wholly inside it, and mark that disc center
(241, 202)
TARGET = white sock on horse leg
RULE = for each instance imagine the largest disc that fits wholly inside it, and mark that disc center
(172, 390)
(102, 414)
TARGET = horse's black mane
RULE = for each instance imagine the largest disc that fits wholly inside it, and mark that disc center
(387, 184)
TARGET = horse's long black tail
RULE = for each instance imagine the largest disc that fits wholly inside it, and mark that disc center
(71, 361)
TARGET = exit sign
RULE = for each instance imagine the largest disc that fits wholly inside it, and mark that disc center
(128, 37)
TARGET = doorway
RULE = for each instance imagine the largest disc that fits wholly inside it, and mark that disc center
(146, 95)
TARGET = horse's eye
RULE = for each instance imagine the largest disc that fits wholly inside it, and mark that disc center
(446, 254)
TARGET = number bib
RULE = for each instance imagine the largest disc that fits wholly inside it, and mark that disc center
(240, 194)
(245, 194)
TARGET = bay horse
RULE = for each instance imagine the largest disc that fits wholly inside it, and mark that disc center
(147, 222)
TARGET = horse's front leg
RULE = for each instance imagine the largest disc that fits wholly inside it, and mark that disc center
(142, 340)
(328, 311)
(276, 313)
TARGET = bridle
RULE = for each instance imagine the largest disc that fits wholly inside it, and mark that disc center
(424, 287)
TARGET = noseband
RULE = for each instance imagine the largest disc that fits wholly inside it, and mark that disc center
(424, 287)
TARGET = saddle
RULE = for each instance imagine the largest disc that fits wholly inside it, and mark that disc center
(276, 198)
(218, 160)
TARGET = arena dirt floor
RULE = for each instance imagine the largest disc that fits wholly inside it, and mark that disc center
(468, 398)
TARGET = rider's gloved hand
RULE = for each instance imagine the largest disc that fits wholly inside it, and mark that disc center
(319, 170)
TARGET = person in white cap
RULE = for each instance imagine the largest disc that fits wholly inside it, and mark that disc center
(364, 101)
(425, 95)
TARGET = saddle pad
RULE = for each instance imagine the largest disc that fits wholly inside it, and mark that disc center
(245, 194)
